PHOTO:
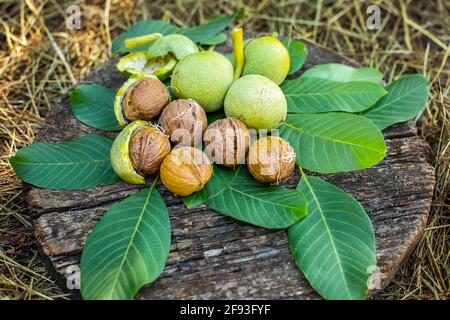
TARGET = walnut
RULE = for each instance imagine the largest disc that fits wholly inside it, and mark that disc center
(227, 142)
(148, 148)
(185, 170)
(271, 160)
(145, 99)
(184, 120)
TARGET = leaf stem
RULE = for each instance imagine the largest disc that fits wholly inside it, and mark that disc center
(238, 51)
(301, 171)
(155, 180)
(135, 42)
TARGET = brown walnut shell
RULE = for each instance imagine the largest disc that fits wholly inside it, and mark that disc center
(145, 99)
(271, 160)
(185, 170)
(184, 120)
(227, 142)
(148, 148)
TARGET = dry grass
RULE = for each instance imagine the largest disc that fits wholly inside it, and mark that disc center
(40, 59)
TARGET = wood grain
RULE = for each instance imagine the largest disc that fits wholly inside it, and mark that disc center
(213, 256)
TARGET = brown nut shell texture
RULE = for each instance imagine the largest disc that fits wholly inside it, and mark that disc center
(148, 148)
(227, 142)
(185, 170)
(271, 160)
(145, 99)
(184, 120)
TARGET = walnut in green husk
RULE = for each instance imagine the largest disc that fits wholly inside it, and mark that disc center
(141, 97)
(148, 148)
(138, 151)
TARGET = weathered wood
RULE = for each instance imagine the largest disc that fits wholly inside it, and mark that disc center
(213, 256)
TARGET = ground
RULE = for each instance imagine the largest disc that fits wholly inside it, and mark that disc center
(41, 59)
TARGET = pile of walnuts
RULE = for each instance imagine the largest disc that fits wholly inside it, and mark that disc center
(172, 144)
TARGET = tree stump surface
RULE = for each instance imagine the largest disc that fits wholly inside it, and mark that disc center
(216, 257)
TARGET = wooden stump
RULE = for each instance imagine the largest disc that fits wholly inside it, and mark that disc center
(216, 257)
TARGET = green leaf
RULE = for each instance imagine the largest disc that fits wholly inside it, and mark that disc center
(139, 29)
(78, 164)
(215, 40)
(343, 73)
(405, 99)
(238, 195)
(94, 106)
(127, 249)
(314, 95)
(333, 142)
(298, 52)
(334, 245)
(208, 30)
(197, 34)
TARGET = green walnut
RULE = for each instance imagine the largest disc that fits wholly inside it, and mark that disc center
(257, 101)
(204, 77)
(268, 57)
(138, 151)
(160, 58)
